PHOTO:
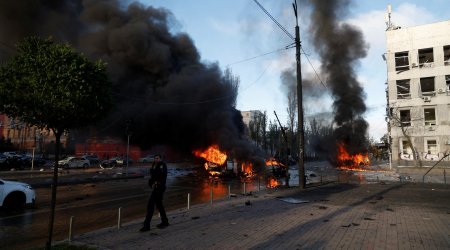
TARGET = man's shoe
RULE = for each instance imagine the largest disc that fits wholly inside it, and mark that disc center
(162, 225)
(144, 229)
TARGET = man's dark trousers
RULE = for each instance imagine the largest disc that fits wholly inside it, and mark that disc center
(156, 199)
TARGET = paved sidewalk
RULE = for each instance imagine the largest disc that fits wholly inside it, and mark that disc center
(335, 216)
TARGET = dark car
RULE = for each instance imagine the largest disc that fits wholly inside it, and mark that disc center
(111, 163)
(26, 161)
(93, 159)
(115, 162)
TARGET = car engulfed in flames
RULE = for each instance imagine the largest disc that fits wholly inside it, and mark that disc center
(214, 159)
(347, 161)
(218, 164)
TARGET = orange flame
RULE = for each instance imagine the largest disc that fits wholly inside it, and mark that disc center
(247, 169)
(273, 162)
(212, 154)
(272, 182)
(347, 161)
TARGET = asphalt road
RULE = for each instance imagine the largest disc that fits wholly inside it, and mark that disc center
(96, 205)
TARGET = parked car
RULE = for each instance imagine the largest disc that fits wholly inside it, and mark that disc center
(111, 163)
(74, 162)
(147, 159)
(15, 195)
(11, 154)
(93, 159)
(2, 158)
(115, 162)
(25, 161)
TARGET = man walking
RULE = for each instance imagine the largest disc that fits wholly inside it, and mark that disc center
(157, 181)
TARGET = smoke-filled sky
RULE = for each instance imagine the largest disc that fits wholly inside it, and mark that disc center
(166, 58)
(230, 31)
(163, 93)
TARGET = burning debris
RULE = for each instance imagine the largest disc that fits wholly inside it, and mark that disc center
(351, 161)
(219, 164)
(214, 160)
(272, 182)
(276, 168)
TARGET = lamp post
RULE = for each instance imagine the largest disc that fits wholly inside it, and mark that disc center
(128, 134)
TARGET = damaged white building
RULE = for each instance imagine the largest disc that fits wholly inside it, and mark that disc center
(418, 93)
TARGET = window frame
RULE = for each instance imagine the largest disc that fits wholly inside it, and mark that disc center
(425, 57)
(433, 120)
(399, 84)
(423, 81)
(446, 50)
(435, 151)
(401, 56)
(405, 122)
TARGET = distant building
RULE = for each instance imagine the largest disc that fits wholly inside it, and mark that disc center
(24, 137)
(418, 93)
(249, 116)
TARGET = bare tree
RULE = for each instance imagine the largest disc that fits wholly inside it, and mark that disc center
(292, 114)
(258, 127)
(405, 120)
(233, 81)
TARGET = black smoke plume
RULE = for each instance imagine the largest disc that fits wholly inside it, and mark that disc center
(340, 46)
(164, 94)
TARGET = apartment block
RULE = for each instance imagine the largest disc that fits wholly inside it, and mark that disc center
(418, 94)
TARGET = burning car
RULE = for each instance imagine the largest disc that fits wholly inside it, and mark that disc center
(215, 160)
(275, 168)
(347, 161)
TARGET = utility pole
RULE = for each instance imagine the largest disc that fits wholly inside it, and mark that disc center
(300, 132)
(128, 134)
(301, 136)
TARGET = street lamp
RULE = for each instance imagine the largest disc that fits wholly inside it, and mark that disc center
(128, 133)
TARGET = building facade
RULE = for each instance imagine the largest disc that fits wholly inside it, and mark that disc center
(250, 116)
(23, 137)
(418, 94)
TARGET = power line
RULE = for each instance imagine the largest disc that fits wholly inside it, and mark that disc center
(307, 58)
(254, 57)
(275, 21)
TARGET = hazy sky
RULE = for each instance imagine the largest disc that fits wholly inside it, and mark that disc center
(228, 32)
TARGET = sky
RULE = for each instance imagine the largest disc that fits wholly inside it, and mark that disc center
(237, 34)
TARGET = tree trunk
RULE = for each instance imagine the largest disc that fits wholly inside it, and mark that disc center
(417, 160)
(58, 134)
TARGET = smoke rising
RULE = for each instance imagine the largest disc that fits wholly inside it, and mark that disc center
(164, 94)
(340, 46)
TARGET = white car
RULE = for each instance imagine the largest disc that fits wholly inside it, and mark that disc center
(74, 162)
(147, 159)
(15, 195)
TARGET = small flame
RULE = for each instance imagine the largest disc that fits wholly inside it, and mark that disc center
(272, 182)
(212, 154)
(347, 161)
(273, 162)
(247, 169)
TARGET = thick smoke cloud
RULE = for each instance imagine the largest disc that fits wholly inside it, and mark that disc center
(163, 92)
(340, 46)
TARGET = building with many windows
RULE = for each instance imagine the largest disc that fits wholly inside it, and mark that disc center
(418, 93)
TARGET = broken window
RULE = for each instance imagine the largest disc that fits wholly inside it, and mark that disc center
(447, 82)
(401, 61)
(430, 116)
(447, 55)
(405, 117)
(426, 57)
(432, 147)
(427, 86)
(406, 147)
(403, 89)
